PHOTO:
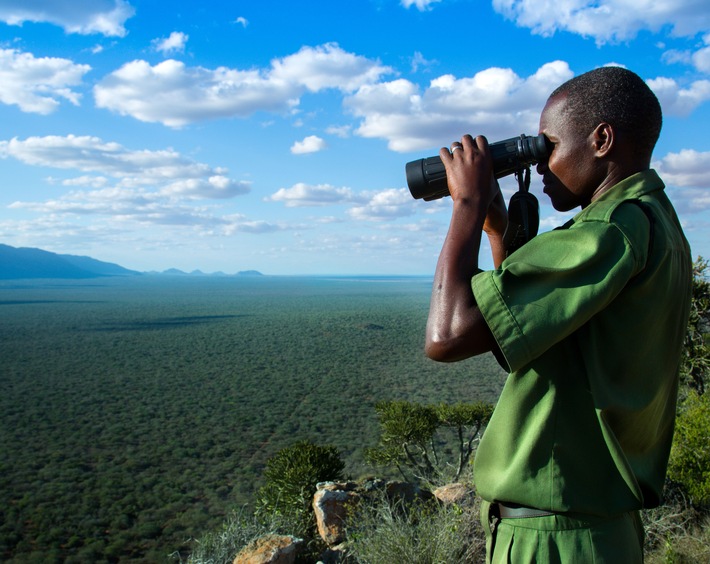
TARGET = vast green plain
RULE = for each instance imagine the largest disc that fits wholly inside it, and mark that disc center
(137, 412)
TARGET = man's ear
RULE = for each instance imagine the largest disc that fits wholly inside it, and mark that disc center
(603, 138)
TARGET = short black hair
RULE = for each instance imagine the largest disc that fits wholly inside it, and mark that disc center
(619, 97)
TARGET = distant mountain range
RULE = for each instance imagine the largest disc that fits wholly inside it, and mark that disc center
(36, 263)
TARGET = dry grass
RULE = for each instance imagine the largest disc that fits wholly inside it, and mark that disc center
(385, 532)
(677, 532)
(684, 547)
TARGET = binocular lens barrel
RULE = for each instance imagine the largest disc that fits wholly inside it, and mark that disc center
(426, 177)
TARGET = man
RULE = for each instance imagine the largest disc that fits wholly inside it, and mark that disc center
(589, 319)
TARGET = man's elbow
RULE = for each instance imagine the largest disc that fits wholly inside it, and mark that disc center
(434, 351)
(442, 350)
(451, 347)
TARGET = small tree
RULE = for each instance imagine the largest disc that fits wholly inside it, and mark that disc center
(406, 433)
(411, 437)
(291, 478)
(468, 421)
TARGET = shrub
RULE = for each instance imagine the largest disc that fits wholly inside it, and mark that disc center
(695, 364)
(291, 476)
(690, 455)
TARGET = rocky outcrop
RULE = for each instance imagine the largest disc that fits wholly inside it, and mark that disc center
(459, 494)
(335, 504)
(270, 549)
(331, 505)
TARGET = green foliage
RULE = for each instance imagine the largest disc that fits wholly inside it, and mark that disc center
(689, 463)
(696, 354)
(291, 477)
(412, 438)
(467, 421)
(151, 404)
(383, 531)
(690, 457)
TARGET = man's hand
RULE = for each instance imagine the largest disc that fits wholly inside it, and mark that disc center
(469, 170)
(469, 173)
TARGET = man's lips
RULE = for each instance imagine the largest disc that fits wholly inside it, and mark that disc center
(547, 184)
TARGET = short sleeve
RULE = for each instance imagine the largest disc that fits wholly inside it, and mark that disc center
(555, 283)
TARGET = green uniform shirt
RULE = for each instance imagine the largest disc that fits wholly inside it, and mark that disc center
(590, 319)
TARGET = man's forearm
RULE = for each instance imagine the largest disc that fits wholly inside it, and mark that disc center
(454, 319)
(497, 248)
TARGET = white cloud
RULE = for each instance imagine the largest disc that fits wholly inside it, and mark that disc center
(606, 20)
(137, 190)
(132, 212)
(38, 84)
(308, 195)
(311, 144)
(84, 17)
(687, 174)
(418, 61)
(87, 181)
(213, 187)
(342, 131)
(176, 95)
(242, 21)
(166, 172)
(676, 100)
(131, 209)
(326, 66)
(174, 43)
(387, 204)
(495, 101)
(421, 5)
(701, 58)
(243, 225)
(687, 168)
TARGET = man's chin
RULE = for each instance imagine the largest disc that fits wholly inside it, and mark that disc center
(563, 205)
(562, 208)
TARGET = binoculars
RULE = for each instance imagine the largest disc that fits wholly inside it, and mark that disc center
(426, 177)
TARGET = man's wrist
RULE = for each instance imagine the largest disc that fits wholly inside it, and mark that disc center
(471, 211)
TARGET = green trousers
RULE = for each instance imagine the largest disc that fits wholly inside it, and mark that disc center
(561, 539)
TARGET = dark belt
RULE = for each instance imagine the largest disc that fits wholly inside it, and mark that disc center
(519, 512)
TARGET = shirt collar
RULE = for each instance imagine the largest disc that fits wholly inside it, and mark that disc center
(634, 186)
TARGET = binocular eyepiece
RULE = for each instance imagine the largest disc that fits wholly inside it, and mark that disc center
(426, 177)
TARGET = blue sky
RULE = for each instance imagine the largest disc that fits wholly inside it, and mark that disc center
(232, 135)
